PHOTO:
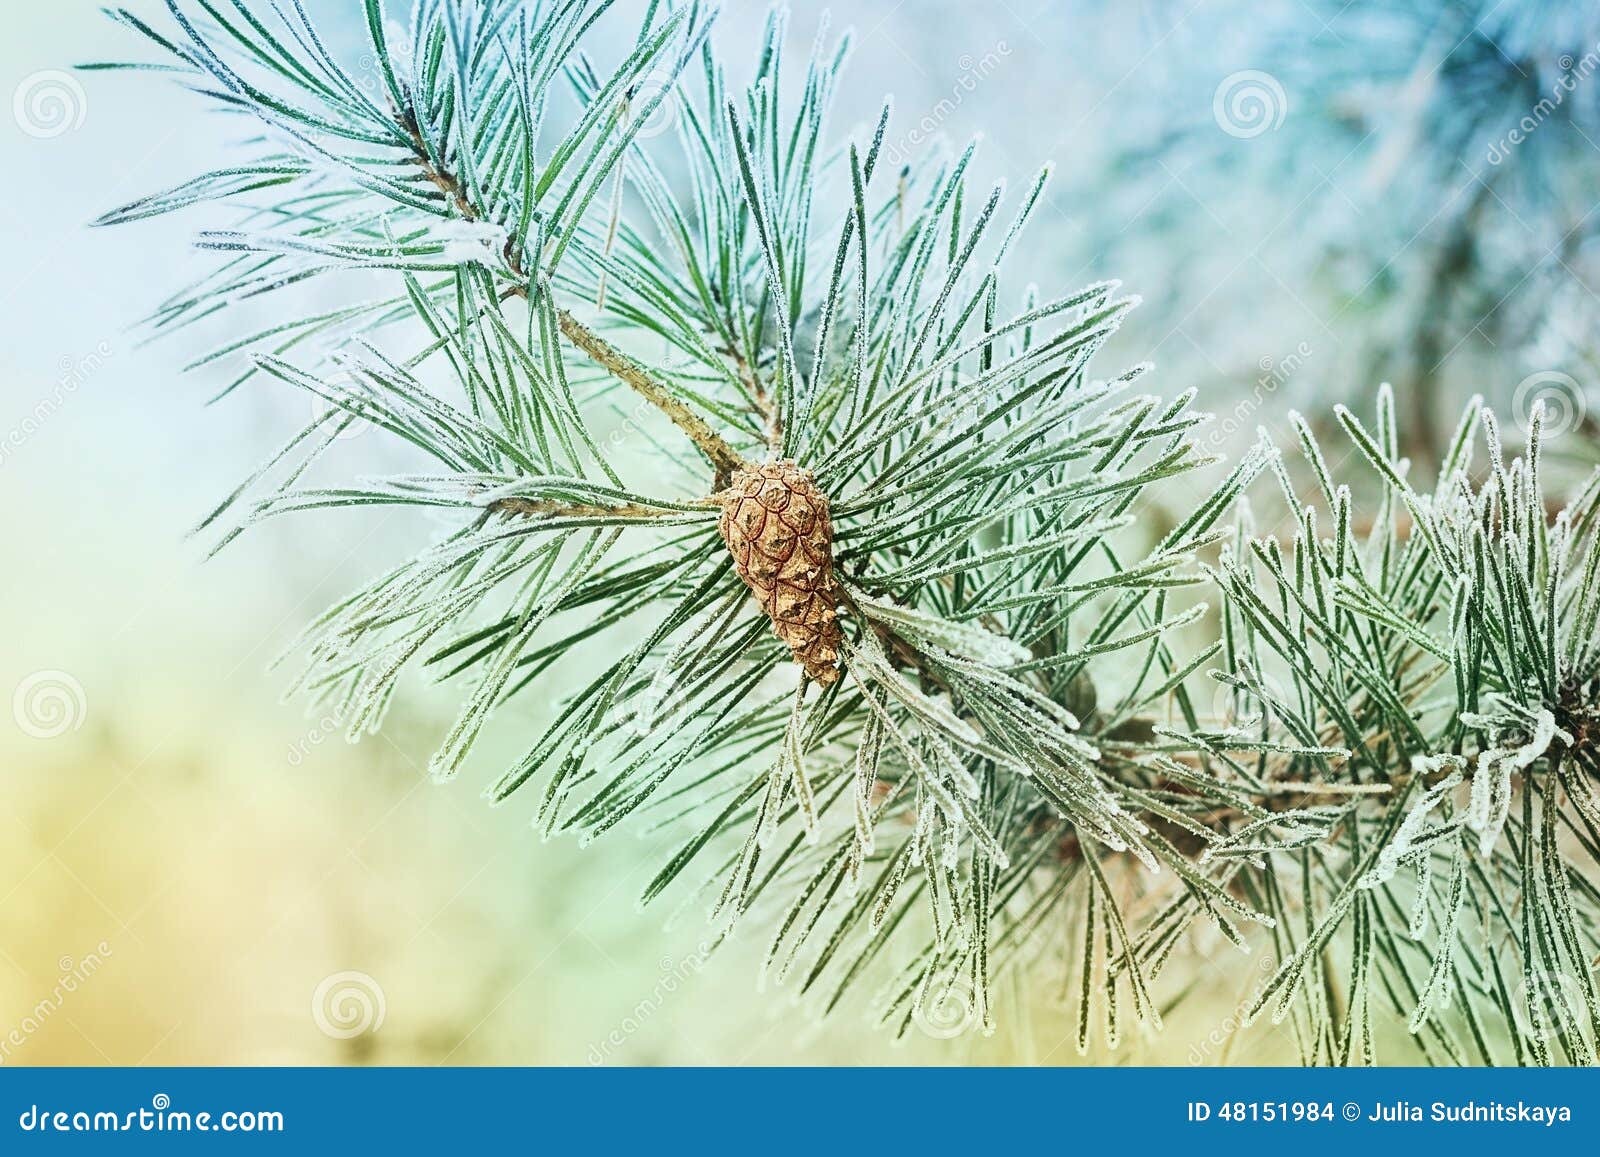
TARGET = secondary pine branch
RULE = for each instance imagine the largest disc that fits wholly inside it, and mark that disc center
(765, 406)
(723, 458)
(540, 507)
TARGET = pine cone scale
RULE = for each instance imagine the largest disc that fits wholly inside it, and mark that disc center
(776, 525)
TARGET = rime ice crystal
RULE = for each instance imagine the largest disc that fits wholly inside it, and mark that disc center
(778, 529)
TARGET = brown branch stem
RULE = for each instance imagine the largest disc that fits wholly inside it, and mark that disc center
(724, 459)
(764, 405)
(531, 507)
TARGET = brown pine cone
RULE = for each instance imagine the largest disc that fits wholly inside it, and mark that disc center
(776, 524)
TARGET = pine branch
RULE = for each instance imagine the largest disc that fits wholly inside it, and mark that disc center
(909, 671)
(717, 451)
(534, 508)
(722, 456)
(1427, 653)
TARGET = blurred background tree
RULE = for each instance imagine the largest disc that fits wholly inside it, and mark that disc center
(1406, 187)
